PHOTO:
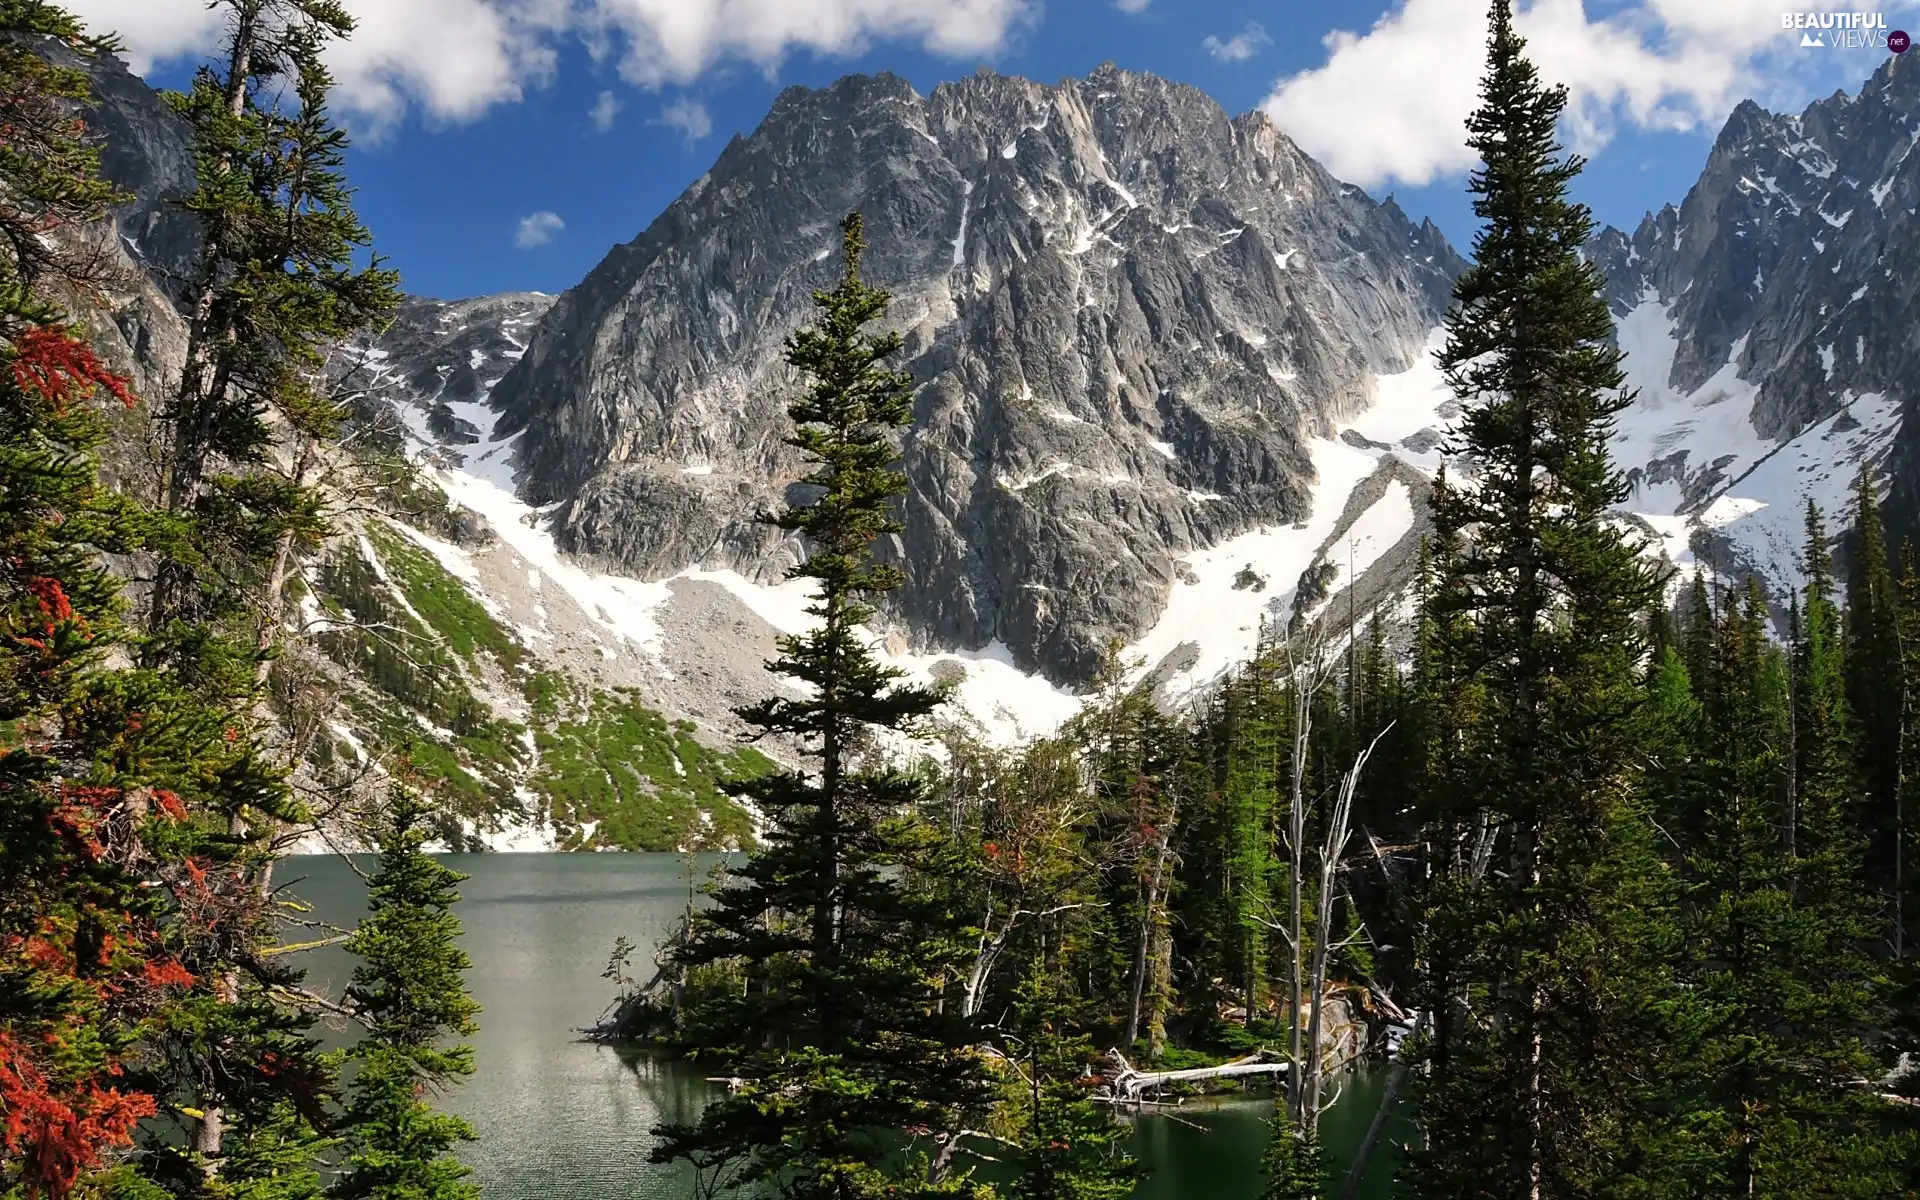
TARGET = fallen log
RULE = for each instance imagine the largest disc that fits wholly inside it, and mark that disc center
(1129, 1084)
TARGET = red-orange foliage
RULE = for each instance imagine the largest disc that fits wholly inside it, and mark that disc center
(51, 362)
(61, 1111)
(59, 1132)
(53, 601)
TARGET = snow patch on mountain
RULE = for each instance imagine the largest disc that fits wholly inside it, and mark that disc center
(1213, 623)
(623, 607)
(1699, 466)
(1378, 530)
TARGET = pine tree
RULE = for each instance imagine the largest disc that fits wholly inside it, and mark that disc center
(1824, 778)
(1806, 997)
(843, 1037)
(1294, 1166)
(1563, 943)
(410, 990)
(1776, 1013)
(1670, 733)
(1905, 968)
(1875, 682)
(86, 974)
(1697, 640)
(1907, 787)
(1068, 1147)
(278, 284)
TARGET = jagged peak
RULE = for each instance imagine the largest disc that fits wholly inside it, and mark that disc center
(855, 88)
(1747, 121)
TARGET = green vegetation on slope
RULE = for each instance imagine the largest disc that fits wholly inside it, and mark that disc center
(441, 600)
(641, 782)
(612, 772)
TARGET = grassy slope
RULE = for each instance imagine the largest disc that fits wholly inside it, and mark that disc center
(438, 669)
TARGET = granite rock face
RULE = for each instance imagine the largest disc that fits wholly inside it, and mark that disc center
(1124, 314)
(435, 365)
(1793, 262)
(146, 150)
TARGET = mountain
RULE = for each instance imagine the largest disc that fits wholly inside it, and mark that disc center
(1126, 314)
(1768, 321)
(426, 627)
(1174, 385)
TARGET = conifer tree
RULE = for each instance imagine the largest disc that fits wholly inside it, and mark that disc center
(1907, 785)
(1778, 1000)
(277, 285)
(1294, 1166)
(410, 990)
(1876, 685)
(1670, 731)
(1069, 1148)
(1824, 778)
(1561, 950)
(1905, 968)
(86, 974)
(1697, 638)
(843, 1038)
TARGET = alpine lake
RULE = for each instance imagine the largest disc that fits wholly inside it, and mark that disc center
(560, 1118)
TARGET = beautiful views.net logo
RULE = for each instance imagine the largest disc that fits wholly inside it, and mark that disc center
(1845, 31)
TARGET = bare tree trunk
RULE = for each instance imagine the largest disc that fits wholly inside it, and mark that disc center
(1333, 851)
(191, 425)
(1141, 956)
(211, 1131)
(1159, 988)
(1305, 667)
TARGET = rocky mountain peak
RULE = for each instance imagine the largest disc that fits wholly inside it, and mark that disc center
(1124, 312)
(1766, 321)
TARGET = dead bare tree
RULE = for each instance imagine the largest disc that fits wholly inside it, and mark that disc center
(1333, 854)
(1307, 669)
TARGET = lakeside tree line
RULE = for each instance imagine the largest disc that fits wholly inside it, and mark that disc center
(1637, 872)
(1643, 871)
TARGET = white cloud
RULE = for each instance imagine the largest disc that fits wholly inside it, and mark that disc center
(674, 41)
(1132, 6)
(604, 110)
(689, 116)
(1391, 104)
(454, 59)
(538, 230)
(1241, 46)
(152, 29)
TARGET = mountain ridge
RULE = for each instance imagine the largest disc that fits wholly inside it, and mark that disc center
(1094, 303)
(1148, 411)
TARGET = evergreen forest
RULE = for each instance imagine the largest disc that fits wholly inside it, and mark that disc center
(1619, 858)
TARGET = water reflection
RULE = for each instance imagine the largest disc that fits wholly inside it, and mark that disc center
(560, 1119)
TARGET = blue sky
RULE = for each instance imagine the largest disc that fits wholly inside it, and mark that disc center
(482, 167)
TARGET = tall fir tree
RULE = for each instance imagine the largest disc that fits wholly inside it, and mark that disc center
(86, 973)
(1294, 1166)
(278, 284)
(1907, 785)
(1905, 968)
(1876, 683)
(844, 1039)
(1770, 1100)
(1825, 781)
(410, 991)
(1562, 957)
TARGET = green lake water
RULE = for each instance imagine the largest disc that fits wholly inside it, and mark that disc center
(560, 1119)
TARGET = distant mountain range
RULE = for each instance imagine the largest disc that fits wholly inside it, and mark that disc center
(1173, 381)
